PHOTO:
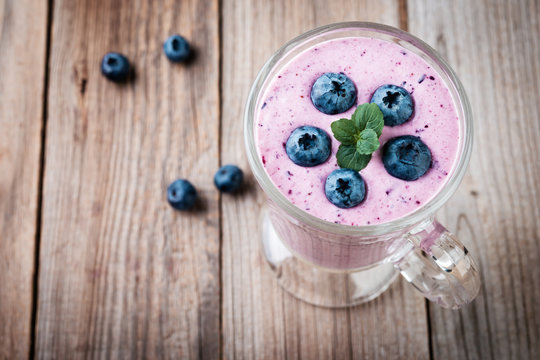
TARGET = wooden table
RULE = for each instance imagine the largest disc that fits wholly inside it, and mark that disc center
(95, 264)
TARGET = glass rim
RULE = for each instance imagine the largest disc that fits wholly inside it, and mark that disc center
(417, 216)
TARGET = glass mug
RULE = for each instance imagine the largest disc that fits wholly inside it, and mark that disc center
(337, 265)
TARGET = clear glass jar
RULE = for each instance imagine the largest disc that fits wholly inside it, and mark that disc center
(338, 265)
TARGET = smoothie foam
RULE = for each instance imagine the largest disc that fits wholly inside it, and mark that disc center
(369, 63)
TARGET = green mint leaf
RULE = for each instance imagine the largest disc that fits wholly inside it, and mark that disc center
(358, 117)
(368, 142)
(348, 157)
(375, 119)
(368, 116)
(344, 131)
(359, 137)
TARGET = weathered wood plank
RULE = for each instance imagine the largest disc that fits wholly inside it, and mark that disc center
(122, 275)
(495, 48)
(259, 319)
(23, 40)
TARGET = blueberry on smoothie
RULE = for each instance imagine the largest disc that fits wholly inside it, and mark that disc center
(228, 178)
(395, 103)
(181, 195)
(308, 146)
(333, 93)
(176, 48)
(406, 157)
(345, 188)
(115, 67)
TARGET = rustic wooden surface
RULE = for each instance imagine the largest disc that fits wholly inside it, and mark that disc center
(23, 38)
(120, 274)
(95, 264)
(495, 48)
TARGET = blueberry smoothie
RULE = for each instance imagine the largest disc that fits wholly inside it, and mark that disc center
(382, 173)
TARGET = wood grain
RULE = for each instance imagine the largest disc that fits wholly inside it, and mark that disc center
(23, 38)
(495, 48)
(122, 275)
(259, 319)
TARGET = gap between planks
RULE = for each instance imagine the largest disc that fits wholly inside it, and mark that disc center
(35, 279)
(220, 162)
(403, 15)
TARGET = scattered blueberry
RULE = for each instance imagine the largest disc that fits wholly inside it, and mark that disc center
(395, 103)
(308, 146)
(333, 93)
(406, 157)
(228, 178)
(345, 188)
(181, 195)
(176, 48)
(115, 67)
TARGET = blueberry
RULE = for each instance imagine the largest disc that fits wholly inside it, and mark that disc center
(181, 195)
(228, 178)
(176, 48)
(333, 93)
(115, 67)
(406, 157)
(345, 188)
(308, 146)
(395, 103)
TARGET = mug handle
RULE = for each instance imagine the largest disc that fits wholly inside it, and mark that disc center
(437, 264)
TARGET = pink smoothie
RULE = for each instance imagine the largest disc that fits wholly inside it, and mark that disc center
(369, 63)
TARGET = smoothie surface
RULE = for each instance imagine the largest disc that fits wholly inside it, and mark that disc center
(369, 63)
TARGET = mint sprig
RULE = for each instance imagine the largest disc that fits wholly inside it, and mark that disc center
(359, 136)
